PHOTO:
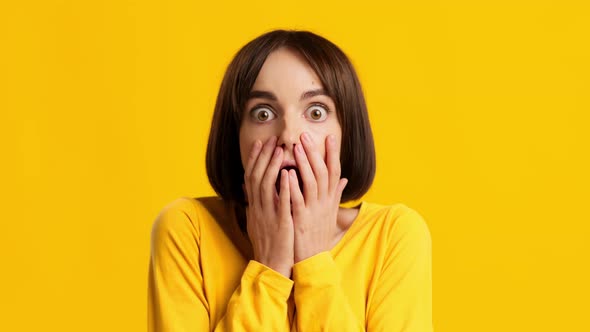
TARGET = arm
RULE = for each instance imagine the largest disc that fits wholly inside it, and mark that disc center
(176, 296)
(319, 299)
(402, 300)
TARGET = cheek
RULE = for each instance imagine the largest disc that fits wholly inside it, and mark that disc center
(321, 141)
(243, 154)
(246, 143)
(248, 135)
(320, 137)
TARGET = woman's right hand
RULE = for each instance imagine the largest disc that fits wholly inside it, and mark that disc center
(270, 225)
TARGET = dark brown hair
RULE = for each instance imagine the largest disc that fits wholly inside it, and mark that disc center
(339, 80)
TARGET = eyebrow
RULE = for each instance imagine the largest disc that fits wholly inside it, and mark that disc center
(271, 96)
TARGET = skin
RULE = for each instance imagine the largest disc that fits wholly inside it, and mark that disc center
(289, 121)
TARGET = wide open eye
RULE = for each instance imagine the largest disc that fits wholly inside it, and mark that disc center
(262, 114)
(317, 112)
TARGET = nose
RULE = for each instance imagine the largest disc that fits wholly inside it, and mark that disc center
(290, 131)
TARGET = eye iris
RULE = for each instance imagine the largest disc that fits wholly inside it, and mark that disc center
(263, 115)
(316, 114)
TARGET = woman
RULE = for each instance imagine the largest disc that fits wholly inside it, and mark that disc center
(290, 140)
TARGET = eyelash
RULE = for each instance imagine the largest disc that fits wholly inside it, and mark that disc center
(259, 106)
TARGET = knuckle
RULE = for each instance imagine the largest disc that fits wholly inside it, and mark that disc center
(298, 203)
(267, 182)
(254, 178)
(337, 172)
(311, 184)
(264, 190)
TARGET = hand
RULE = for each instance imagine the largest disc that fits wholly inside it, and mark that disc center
(316, 209)
(269, 221)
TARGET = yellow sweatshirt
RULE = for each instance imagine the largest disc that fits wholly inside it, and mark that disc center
(377, 278)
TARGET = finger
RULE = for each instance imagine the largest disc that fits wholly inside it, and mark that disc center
(295, 191)
(317, 163)
(252, 157)
(340, 188)
(310, 187)
(259, 169)
(284, 197)
(268, 186)
(332, 162)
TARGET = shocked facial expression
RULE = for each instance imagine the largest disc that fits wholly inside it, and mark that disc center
(286, 100)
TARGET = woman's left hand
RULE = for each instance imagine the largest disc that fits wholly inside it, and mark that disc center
(315, 211)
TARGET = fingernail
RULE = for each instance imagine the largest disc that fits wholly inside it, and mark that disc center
(331, 139)
(277, 151)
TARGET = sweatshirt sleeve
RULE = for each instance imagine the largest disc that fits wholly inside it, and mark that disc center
(176, 297)
(319, 299)
(402, 300)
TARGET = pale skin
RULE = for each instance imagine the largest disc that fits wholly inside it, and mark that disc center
(289, 121)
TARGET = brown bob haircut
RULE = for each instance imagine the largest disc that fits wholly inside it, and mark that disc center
(339, 80)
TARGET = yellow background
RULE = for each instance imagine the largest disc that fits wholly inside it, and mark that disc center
(479, 111)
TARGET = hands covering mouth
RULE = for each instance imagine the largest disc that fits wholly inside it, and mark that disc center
(286, 224)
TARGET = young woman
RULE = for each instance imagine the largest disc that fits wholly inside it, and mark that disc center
(275, 251)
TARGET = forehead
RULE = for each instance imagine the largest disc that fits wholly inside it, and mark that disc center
(285, 70)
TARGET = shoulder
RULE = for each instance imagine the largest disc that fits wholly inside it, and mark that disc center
(179, 211)
(181, 218)
(400, 224)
